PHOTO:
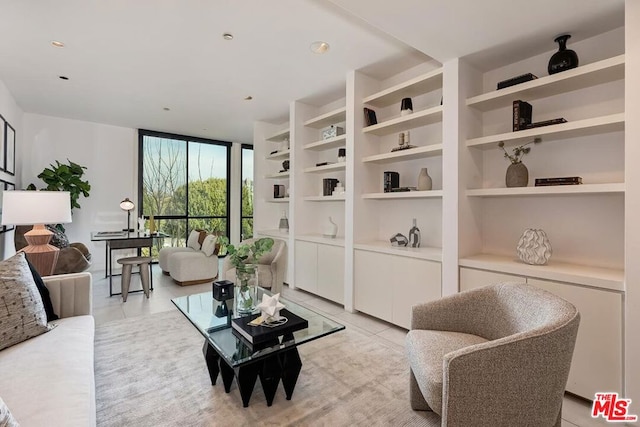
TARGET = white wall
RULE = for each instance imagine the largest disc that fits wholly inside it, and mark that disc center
(12, 114)
(110, 156)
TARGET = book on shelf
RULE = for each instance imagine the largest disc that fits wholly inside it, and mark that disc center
(565, 180)
(370, 117)
(545, 123)
(516, 80)
(256, 335)
(522, 113)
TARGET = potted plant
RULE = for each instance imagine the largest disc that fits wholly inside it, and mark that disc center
(63, 177)
(517, 172)
(243, 258)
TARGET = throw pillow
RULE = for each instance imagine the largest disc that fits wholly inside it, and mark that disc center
(6, 419)
(209, 245)
(59, 239)
(44, 294)
(192, 241)
(22, 314)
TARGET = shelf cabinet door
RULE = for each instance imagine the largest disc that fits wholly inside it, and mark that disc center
(470, 278)
(597, 357)
(414, 281)
(331, 272)
(306, 271)
(374, 284)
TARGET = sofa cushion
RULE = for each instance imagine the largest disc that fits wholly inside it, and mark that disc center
(192, 241)
(6, 419)
(192, 266)
(428, 365)
(44, 294)
(209, 245)
(49, 381)
(165, 254)
(23, 314)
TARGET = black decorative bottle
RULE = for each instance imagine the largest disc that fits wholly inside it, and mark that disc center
(564, 59)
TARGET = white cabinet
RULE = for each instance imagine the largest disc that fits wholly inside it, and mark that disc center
(320, 269)
(387, 286)
(597, 357)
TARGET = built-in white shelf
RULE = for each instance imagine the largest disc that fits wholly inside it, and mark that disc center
(281, 135)
(607, 278)
(404, 195)
(326, 144)
(273, 233)
(338, 198)
(279, 200)
(604, 71)
(327, 119)
(547, 190)
(279, 175)
(410, 121)
(319, 238)
(579, 128)
(284, 154)
(403, 155)
(384, 247)
(414, 87)
(326, 168)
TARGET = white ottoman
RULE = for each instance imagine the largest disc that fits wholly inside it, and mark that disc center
(165, 254)
(193, 267)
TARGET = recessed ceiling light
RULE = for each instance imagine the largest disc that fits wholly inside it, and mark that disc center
(248, 98)
(227, 36)
(57, 43)
(63, 77)
(319, 47)
(167, 109)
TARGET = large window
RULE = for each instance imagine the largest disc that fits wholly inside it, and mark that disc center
(184, 184)
(246, 231)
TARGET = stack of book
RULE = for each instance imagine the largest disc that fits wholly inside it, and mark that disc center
(523, 114)
(567, 180)
(516, 80)
(256, 335)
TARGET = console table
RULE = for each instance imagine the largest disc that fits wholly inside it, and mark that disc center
(115, 240)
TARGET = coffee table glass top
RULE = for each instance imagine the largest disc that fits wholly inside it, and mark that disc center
(207, 315)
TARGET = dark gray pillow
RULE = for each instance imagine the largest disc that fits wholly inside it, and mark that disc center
(22, 314)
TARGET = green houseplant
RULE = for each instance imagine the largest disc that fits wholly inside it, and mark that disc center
(63, 177)
(243, 258)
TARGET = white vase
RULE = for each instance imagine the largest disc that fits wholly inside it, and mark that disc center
(424, 180)
(534, 247)
(330, 229)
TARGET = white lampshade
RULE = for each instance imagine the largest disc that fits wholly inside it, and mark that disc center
(36, 207)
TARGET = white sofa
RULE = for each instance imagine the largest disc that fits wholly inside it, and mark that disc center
(189, 265)
(49, 380)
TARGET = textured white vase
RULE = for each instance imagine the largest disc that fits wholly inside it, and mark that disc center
(330, 229)
(534, 247)
(424, 180)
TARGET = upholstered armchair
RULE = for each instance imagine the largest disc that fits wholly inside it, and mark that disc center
(271, 266)
(73, 257)
(493, 356)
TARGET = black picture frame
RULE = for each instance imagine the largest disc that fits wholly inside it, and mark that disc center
(3, 133)
(9, 149)
(4, 185)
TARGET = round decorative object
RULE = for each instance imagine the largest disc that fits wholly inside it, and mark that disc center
(517, 175)
(424, 180)
(285, 165)
(330, 229)
(534, 247)
(399, 239)
(406, 106)
(564, 59)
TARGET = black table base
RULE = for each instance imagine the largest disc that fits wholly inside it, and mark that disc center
(284, 365)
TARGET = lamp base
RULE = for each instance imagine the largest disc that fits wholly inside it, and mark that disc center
(39, 252)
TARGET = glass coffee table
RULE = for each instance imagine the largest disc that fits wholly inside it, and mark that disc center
(229, 355)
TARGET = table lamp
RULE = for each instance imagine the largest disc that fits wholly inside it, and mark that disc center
(37, 208)
(127, 205)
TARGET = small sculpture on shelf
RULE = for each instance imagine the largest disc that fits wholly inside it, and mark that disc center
(406, 106)
(342, 155)
(414, 235)
(517, 172)
(564, 59)
(534, 247)
(399, 239)
(283, 226)
(425, 183)
(330, 229)
(403, 142)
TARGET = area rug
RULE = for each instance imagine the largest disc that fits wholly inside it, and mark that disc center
(150, 372)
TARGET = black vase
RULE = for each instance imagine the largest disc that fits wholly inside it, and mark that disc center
(564, 59)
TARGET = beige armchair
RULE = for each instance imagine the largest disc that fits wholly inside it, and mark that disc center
(271, 266)
(493, 356)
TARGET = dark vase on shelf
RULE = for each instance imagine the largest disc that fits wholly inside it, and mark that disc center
(564, 59)
(517, 175)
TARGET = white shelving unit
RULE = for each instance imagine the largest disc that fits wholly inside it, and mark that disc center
(423, 83)
(327, 119)
(382, 247)
(325, 168)
(280, 135)
(338, 198)
(280, 200)
(404, 195)
(284, 154)
(278, 175)
(413, 120)
(407, 154)
(326, 144)
(548, 190)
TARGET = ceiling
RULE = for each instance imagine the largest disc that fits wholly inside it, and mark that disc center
(127, 61)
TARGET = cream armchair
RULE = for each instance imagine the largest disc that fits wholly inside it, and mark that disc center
(271, 266)
(493, 356)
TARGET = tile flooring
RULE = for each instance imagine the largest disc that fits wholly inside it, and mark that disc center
(576, 412)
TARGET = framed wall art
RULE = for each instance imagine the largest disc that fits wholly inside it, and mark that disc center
(10, 149)
(9, 186)
(3, 132)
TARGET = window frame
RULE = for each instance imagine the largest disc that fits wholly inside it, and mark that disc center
(242, 217)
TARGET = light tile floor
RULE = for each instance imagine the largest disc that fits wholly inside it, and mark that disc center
(575, 412)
